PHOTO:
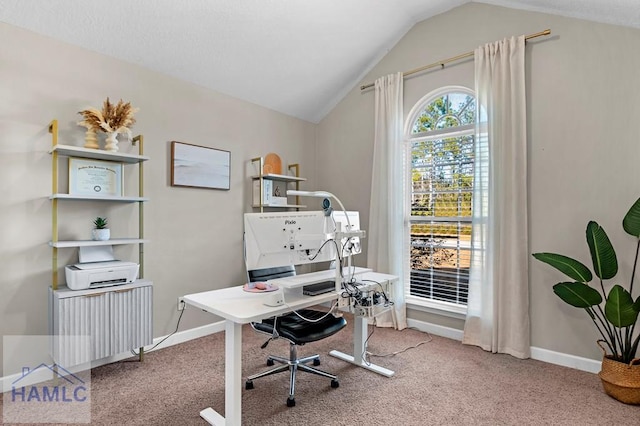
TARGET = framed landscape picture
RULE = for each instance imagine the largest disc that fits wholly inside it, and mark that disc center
(199, 166)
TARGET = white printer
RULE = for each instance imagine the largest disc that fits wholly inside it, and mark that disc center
(82, 276)
(98, 268)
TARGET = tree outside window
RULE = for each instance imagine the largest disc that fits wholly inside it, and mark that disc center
(441, 145)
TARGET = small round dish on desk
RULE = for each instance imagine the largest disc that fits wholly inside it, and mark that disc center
(259, 287)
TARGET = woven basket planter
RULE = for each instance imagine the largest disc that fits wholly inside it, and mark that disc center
(621, 381)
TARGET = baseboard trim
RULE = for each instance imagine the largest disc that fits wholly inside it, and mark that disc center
(438, 330)
(190, 334)
(177, 338)
(540, 354)
(566, 360)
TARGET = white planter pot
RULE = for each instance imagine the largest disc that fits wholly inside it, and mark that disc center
(100, 234)
(111, 142)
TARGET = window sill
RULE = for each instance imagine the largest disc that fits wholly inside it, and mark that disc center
(434, 307)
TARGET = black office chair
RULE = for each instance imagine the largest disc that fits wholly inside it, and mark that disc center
(298, 332)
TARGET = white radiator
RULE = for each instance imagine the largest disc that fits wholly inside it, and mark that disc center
(112, 320)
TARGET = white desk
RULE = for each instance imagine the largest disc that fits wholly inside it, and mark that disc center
(360, 332)
(238, 307)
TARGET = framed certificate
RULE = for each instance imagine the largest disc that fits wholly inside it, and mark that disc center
(94, 177)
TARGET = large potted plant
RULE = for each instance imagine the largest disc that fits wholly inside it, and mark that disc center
(613, 312)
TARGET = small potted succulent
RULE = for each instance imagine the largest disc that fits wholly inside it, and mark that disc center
(100, 232)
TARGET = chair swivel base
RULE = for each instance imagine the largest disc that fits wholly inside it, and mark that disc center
(293, 364)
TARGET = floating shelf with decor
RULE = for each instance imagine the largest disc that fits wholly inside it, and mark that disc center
(71, 151)
(266, 191)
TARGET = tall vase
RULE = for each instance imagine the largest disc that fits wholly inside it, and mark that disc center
(91, 139)
(111, 142)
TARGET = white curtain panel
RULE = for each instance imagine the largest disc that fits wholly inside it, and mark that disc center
(498, 306)
(386, 217)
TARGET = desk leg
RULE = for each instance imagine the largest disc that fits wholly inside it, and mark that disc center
(359, 349)
(232, 379)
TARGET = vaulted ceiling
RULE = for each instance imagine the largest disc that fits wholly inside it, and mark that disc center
(298, 57)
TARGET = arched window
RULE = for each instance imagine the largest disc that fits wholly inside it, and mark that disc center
(439, 135)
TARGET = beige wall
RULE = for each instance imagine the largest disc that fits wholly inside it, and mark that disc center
(582, 112)
(196, 234)
(583, 107)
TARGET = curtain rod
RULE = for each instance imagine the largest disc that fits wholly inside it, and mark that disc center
(455, 58)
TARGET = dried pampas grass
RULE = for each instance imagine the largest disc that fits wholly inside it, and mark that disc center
(116, 118)
(92, 119)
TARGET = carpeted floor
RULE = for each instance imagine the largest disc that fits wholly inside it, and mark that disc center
(440, 382)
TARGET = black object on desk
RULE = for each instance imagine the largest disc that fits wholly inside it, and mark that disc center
(318, 288)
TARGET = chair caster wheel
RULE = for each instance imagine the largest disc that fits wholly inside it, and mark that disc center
(270, 362)
(291, 402)
(248, 385)
(335, 384)
(316, 362)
